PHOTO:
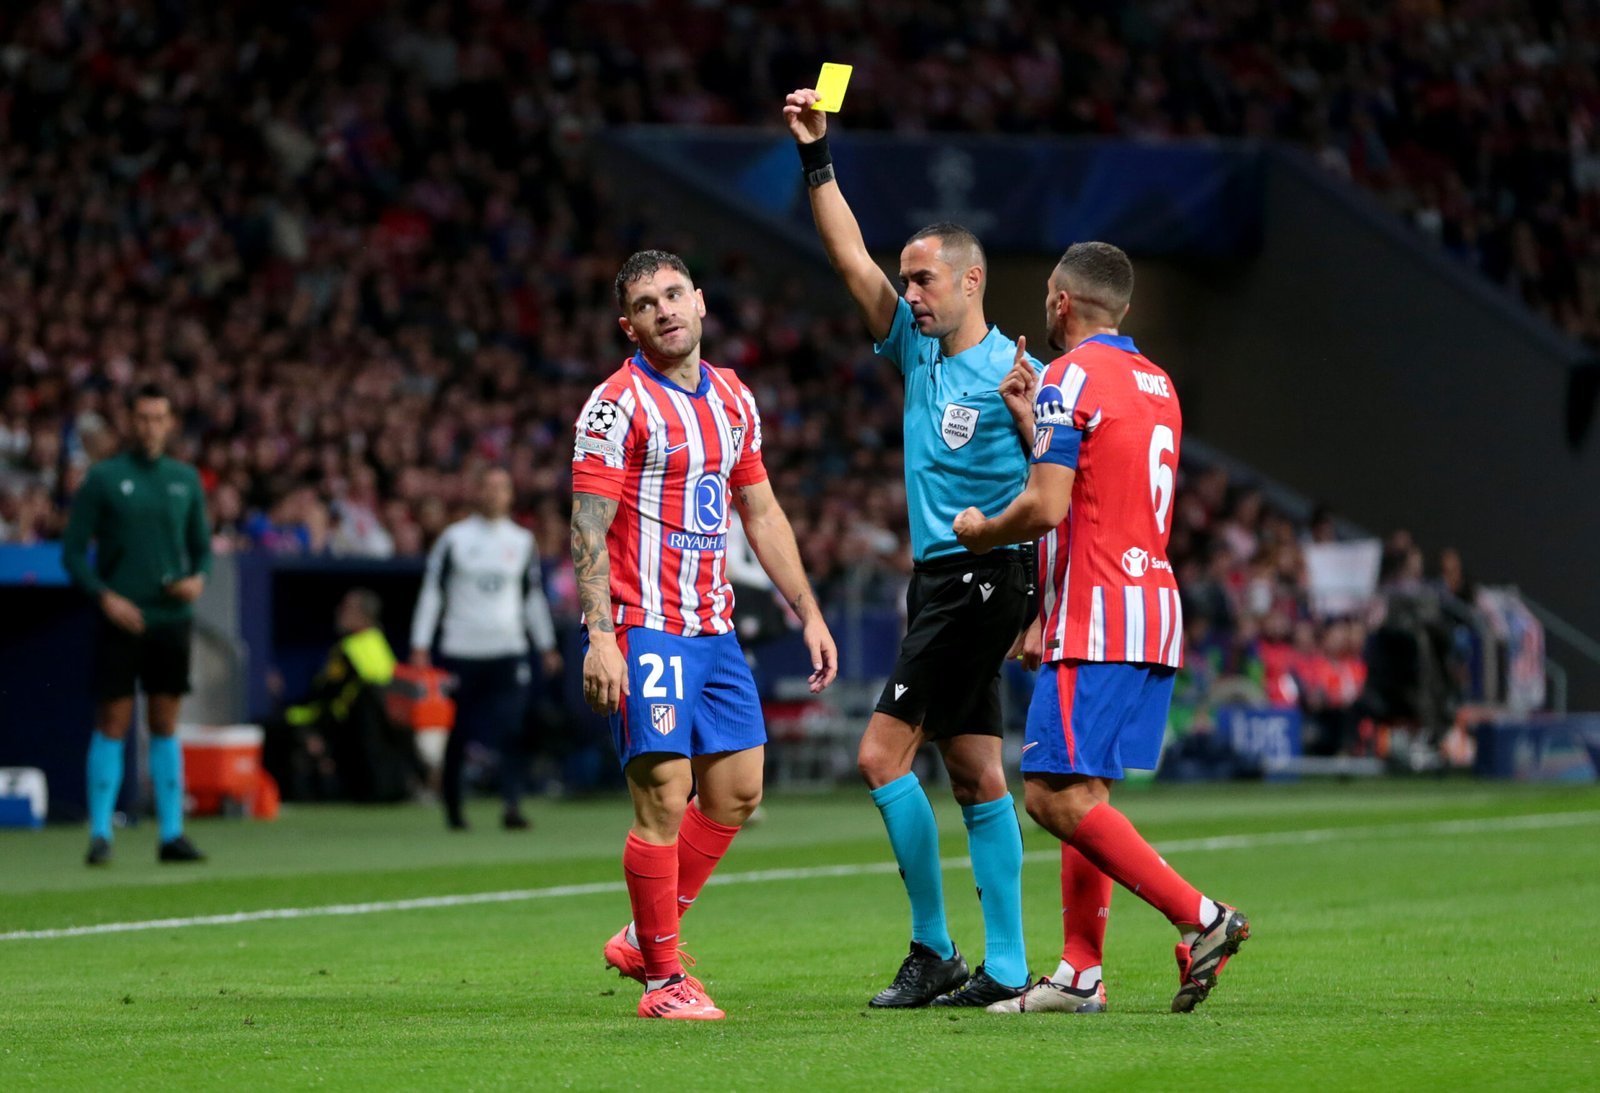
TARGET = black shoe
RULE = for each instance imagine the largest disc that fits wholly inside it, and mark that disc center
(981, 991)
(99, 852)
(457, 823)
(514, 820)
(923, 976)
(179, 849)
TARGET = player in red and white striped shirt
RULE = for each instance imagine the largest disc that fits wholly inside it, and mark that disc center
(661, 447)
(1108, 589)
(1106, 431)
(669, 455)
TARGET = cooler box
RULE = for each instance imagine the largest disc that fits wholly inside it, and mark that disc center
(24, 799)
(222, 771)
(416, 698)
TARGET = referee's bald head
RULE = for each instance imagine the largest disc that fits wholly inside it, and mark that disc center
(958, 247)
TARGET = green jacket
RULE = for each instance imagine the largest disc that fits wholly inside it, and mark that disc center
(147, 519)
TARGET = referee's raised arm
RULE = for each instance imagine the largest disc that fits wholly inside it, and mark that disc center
(872, 291)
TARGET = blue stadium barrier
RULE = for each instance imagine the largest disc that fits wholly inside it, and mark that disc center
(1553, 749)
(46, 712)
(37, 566)
(1265, 739)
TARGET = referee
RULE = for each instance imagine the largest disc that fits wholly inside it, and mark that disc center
(483, 581)
(964, 612)
(145, 512)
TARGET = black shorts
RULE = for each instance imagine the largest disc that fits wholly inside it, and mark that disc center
(156, 661)
(963, 614)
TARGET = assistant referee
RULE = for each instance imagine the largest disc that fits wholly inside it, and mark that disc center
(145, 513)
(965, 611)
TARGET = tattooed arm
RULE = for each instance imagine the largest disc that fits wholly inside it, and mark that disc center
(770, 534)
(605, 673)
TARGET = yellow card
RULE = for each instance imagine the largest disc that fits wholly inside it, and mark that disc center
(830, 87)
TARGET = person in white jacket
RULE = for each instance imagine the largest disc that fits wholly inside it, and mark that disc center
(482, 598)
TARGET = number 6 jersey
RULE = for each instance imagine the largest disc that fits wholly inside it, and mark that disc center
(1109, 593)
(670, 459)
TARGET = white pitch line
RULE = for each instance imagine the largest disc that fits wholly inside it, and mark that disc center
(1531, 822)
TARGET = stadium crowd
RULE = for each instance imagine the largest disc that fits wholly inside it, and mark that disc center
(365, 245)
(357, 283)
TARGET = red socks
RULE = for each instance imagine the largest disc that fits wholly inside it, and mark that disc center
(663, 882)
(652, 873)
(1108, 840)
(1085, 905)
(701, 843)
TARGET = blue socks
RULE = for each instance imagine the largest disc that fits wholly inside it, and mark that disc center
(166, 776)
(105, 782)
(914, 835)
(994, 840)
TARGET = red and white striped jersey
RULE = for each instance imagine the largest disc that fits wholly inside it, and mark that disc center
(1109, 593)
(670, 459)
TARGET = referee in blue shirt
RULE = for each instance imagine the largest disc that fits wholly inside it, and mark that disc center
(965, 611)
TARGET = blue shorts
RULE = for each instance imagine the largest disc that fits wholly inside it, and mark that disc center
(1097, 719)
(687, 696)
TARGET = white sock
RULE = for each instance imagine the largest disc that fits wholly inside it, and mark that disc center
(1204, 916)
(655, 984)
(1068, 976)
(633, 936)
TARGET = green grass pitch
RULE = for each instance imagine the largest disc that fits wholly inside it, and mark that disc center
(1422, 936)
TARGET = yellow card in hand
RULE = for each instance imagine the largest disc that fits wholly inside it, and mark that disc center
(830, 87)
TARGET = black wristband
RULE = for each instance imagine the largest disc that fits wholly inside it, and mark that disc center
(815, 156)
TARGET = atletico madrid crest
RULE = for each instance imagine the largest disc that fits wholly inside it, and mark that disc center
(1041, 440)
(663, 718)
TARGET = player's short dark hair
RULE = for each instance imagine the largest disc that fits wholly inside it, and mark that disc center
(148, 390)
(954, 239)
(1097, 274)
(642, 265)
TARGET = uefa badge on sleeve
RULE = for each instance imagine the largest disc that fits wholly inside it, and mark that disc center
(663, 718)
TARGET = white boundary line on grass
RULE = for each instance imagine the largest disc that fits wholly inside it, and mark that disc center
(1531, 822)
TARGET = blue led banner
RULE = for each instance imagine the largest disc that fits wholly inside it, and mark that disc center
(1017, 194)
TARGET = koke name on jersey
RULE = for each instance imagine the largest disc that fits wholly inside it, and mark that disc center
(1152, 384)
